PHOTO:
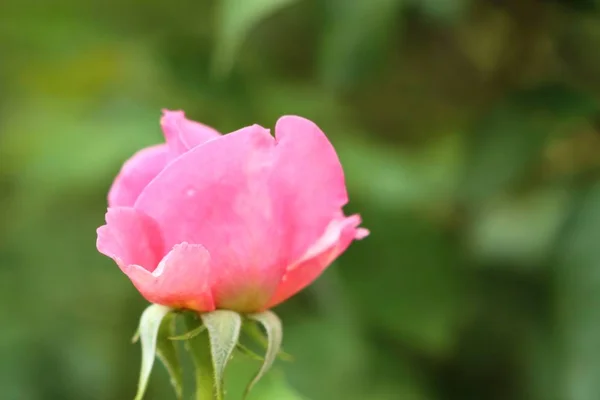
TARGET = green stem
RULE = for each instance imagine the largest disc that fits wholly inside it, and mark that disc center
(199, 347)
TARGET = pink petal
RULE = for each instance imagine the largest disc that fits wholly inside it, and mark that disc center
(308, 180)
(182, 134)
(181, 279)
(135, 174)
(217, 195)
(336, 239)
(130, 237)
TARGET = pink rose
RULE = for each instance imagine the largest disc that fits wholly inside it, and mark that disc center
(240, 221)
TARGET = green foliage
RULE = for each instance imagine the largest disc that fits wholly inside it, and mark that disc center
(578, 285)
(511, 138)
(354, 39)
(469, 136)
(236, 19)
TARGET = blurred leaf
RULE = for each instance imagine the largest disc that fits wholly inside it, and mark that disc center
(541, 363)
(272, 325)
(485, 39)
(355, 39)
(416, 292)
(575, 44)
(235, 20)
(509, 140)
(167, 353)
(393, 375)
(338, 353)
(447, 10)
(580, 5)
(398, 180)
(223, 328)
(150, 324)
(273, 386)
(96, 144)
(519, 230)
(578, 302)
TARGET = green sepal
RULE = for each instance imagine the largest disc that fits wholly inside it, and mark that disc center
(223, 328)
(190, 334)
(274, 330)
(149, 328)
(199, 348)
(249, 353)
(136, 336)
(251, 329)
(167, 353)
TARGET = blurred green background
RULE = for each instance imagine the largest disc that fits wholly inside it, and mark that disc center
(469, 132)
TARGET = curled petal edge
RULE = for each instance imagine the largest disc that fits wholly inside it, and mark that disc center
(336, 239)
(181, 279)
